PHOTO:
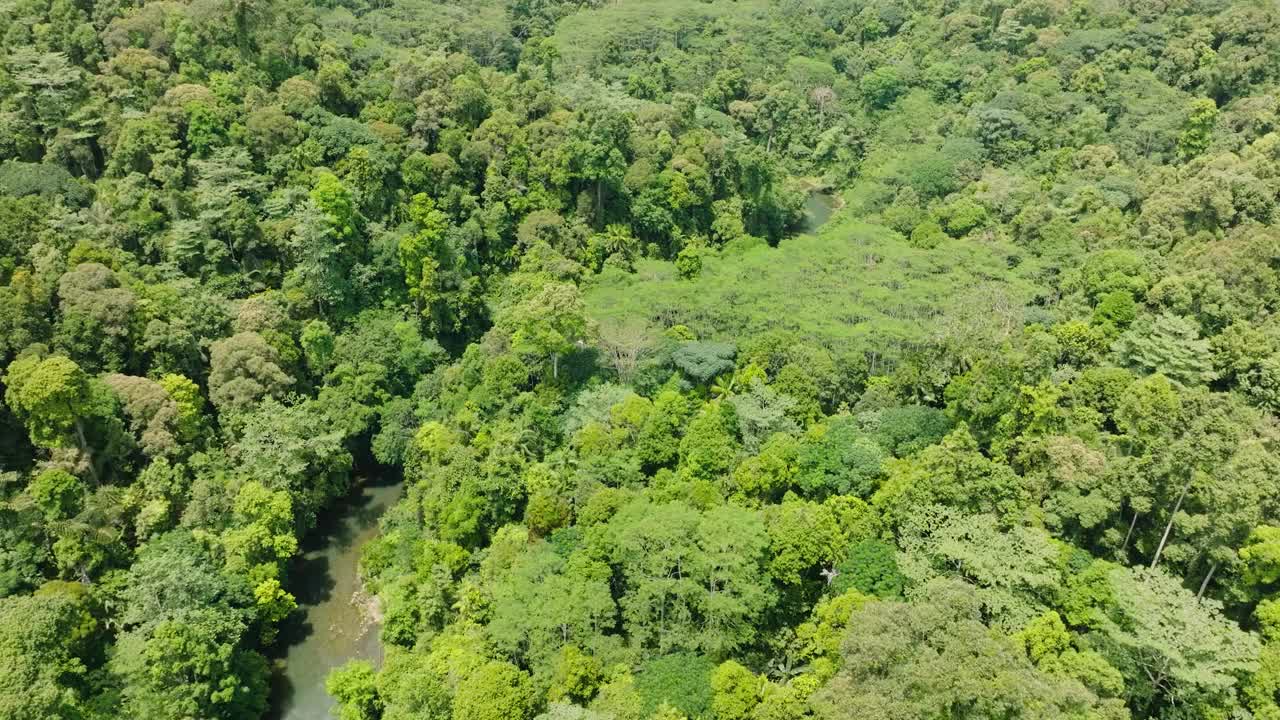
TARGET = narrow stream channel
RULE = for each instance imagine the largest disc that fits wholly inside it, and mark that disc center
(335, 621)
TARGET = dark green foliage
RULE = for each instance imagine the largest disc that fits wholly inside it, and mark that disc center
(870, 568)
(840, 460)
(906, 430)
(681, 680)
(19, 179)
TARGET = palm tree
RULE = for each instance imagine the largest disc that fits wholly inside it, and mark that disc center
(723, 386)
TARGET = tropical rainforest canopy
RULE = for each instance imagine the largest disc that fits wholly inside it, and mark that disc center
(999, 440)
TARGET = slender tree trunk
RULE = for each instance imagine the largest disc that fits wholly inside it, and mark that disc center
(1169, 526)
(1132, 523)
(599, 204)
(88, 453)
(1204, 584)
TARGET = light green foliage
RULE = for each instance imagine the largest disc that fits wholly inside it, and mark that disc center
(954, 474)
(708, 448)
(1172, 647)
(1143, 410)
(963, 216)
(273, 604)
(767, 474)
(567, 711)
(190, 403)
(409, 690)
(495, 691)
(1261, 556)
(694, 580)
(1045, 637)
(619, 697)
(1117, 308)
(575, 599)
(1049, 646)
(576, 676)
(51, 396)
(422, 253)
(804, 283)
(317, 346)
(920, 659)
(333, 199)
(548, 324)
(1082, 343)
(57, 493)
(42, 642)
(666, 711)
(62, 407)
(1260, 692)
(354, 686)
(803, 537)
(1170, 345)
(689, 261)
(736, 691)
(263, 532)
(1197, 130)
(927, 234)
(1014, 572)
(881, 86)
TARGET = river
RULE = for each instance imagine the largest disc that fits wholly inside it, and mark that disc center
(818, 207)
(335, 620)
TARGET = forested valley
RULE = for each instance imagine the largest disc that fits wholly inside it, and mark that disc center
(996, 440)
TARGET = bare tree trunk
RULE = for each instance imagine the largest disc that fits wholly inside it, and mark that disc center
(1158, 680)
(1128, 535)
(1169, 526)
(88, 453)
(1205, 583)
(599, 204)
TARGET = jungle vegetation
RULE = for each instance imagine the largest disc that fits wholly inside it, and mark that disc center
(999, 440)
